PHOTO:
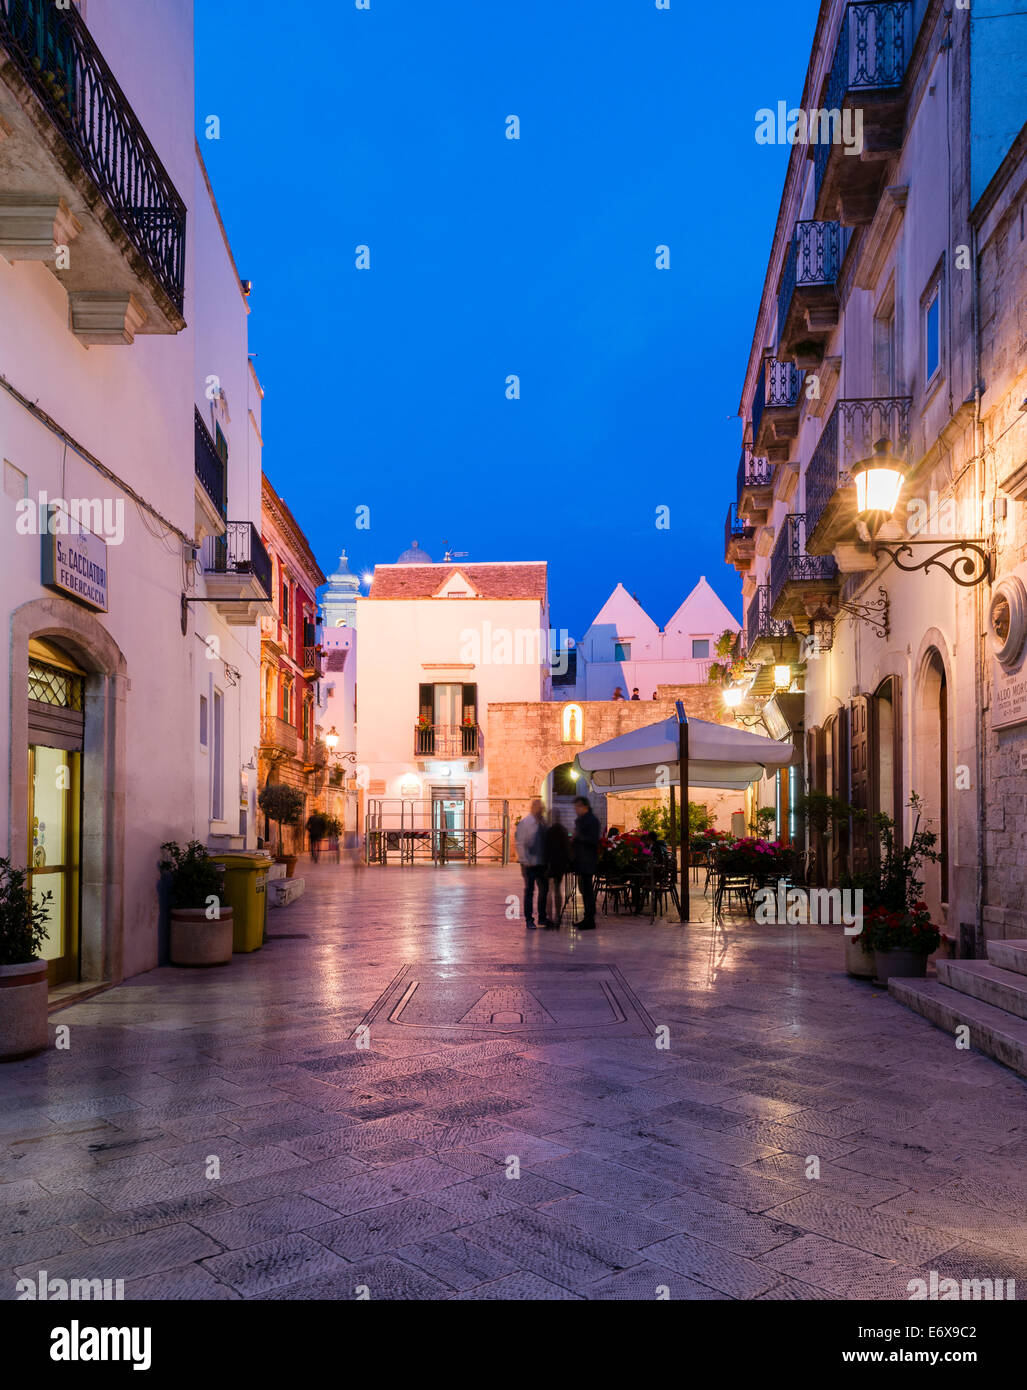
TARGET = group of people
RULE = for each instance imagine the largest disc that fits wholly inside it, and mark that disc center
(547, 854)
(618, 694)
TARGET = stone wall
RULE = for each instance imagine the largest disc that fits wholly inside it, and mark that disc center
(524, 740)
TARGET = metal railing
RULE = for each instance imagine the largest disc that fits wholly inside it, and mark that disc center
(313, 662)
(447, 740)
(210, 467)
(437, 831)
(58, 58)
(759, 623)
(238, 551)
(735, 529)
(850, 433)
(753, 471)
(873, 50)
(779, 385)
(789, 562)
(278, 733)
(814, 258)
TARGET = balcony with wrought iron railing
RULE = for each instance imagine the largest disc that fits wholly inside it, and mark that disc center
(211, 492)
(799, 582)
(754, 492)
(313, 663)
(850, 433)
(775, 409)
(761, 628)
(807, 297)
(865, 89)
(74, 141)
(739, 541)
(447, 741)
(237, 573)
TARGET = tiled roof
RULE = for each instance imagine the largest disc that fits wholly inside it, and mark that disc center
(521, 580)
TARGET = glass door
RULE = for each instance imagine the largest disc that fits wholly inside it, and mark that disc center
(449, 821)
(55, 816)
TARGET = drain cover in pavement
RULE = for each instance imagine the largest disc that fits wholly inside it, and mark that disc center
(481, 1001)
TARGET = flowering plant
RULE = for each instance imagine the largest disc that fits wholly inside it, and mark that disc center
(629, 851)
(885, 929)
(424, 721)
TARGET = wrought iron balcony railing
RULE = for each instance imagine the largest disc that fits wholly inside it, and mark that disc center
(758, 622)
(313, 663)
(210, 467)
(447, 741)
(790, 562)
(735, 529)
(850, 433)
(753, 472)
(779, 386)
(238, 551)
(814, 259)
(873, 51)
(57, 56)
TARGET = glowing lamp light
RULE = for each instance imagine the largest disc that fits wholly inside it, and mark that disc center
(575, 774)
(782, 676)
(878, 481)
(332, 739)
(733, 696)
(366, 579)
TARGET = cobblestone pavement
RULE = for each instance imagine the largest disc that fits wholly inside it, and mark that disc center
(495, 1051)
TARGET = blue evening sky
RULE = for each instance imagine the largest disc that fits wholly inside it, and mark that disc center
(386, 387)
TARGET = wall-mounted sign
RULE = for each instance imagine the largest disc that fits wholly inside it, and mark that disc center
(74, 561)
(1009, 696)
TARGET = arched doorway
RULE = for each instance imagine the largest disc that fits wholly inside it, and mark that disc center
(562, 788)
(932, 738)
(67, 781)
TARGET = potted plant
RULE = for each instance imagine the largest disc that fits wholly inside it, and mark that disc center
(284, 805)
(901, 941)
(23, 986)
(201, 923)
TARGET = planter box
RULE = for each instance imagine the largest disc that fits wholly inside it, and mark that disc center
(23, 991)
(908, 965)
(197, 941)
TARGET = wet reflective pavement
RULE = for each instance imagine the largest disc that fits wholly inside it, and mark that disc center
(405, 1095)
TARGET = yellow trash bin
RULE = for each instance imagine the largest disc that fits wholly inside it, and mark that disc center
(246, 895)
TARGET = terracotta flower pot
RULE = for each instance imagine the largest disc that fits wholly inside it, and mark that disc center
(290, 861)
(903, 964)
(858, 962)
(195, 940)
(23, 992)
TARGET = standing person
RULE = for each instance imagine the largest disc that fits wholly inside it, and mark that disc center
(316, 825)
(618, 694)
(585, 857)
(634, 693)
(557, 849)
(528, 839)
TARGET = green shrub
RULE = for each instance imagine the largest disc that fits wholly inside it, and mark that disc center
(23, 923)
(194, 876)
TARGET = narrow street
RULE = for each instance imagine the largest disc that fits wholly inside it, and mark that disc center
(405, 1095)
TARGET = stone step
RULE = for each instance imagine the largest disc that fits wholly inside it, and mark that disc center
(989, 983)
(1010, 955)
(992, 1031)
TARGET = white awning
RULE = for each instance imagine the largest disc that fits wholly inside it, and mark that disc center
(719, 757)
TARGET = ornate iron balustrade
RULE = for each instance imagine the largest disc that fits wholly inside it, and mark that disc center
(873, 50)
(735, 528)
(759, 623)
(238, 551)
(278, 734)
(814, 258)
(753, 472)
(447, 741)
(58, 58)
(210, 467)
(789, 562)
(313, 662)
(850, 433)
(779, 386)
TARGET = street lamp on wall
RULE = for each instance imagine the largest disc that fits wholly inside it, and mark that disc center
(879, 481)
(733, 696)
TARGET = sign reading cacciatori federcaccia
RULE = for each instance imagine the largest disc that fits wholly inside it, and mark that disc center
(75, 563)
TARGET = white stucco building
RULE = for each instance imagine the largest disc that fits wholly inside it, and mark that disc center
(129, 712)
(624, 647)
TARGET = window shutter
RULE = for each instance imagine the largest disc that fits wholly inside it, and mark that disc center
(470, 703)
(426, 702)
(860, 769)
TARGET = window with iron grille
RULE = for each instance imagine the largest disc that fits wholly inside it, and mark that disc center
(52, 686)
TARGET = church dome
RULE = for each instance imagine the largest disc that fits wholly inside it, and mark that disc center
(415, 556)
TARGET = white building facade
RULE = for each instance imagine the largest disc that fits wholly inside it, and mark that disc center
(117, 305)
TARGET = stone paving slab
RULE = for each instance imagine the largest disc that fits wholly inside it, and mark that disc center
(513, 1131)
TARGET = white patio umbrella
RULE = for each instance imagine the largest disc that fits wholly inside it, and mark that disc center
(719, 757)
(711, 755)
